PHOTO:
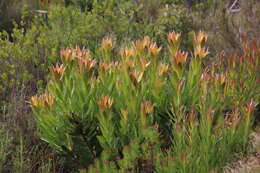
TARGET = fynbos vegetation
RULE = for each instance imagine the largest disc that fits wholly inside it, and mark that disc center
(137, 110)
(127, 85)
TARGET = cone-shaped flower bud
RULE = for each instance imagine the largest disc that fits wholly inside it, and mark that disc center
(180, 58)
(57, 71)
(105, 103)
(174, 38)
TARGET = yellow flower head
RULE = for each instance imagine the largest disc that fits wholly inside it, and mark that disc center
(37, 101)
(107, 44)
(45, 100)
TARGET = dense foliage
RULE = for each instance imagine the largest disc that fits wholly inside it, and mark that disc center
(25, 59)
(128, 78)
(142, 111)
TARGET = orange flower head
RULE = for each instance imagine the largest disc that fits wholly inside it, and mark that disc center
(163, 69)
(154, 50)
(85, 54)
(48, 99)
(86, 64)
(174, 38)
(199, 38)
(105, 103)
(146, 108)
(126, 53)
(67, 55)
(180, 58)
(145, 62)
(104, 66)
(136, 76)
(200, 52)
(58, 71)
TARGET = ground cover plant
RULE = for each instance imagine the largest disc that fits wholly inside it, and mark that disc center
(147, 108)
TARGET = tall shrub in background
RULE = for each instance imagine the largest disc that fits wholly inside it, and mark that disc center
(36, 45)
(140, 111)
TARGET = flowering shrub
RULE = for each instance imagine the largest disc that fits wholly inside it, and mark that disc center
(146, 110)
(35, 42)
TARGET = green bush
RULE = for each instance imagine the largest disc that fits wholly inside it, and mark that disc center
(145, 110)
(35, 45)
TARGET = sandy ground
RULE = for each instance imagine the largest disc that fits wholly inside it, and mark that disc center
(250, 164)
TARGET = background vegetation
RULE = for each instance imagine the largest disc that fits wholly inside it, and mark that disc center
(31, 42)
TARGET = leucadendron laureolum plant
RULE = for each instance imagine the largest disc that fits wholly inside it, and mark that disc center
(137, 111)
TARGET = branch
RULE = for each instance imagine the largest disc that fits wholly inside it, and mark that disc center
(231, 10)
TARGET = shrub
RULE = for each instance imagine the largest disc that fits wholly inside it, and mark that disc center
(26, 54)
(146, 110)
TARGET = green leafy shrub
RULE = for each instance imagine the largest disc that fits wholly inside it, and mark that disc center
(142, 110)
(26, 54)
